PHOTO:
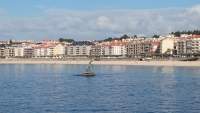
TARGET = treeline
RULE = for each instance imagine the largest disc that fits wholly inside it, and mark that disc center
(87, 42)
(66, 40)
(189, 32)
(125, 36)
(73, 42)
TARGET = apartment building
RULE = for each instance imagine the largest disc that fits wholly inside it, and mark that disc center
(78, 50)
(9, 52)
(194, 45)
(58, 50)
(189, 45)
(167, 45)
(18, 52)
(97, 50)
(28, 52)
(115, 50)
(138, 48)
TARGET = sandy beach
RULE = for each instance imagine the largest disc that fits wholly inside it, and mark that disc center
(123, 62)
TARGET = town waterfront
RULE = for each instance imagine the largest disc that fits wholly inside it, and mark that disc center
(45, 88)
(104, 62)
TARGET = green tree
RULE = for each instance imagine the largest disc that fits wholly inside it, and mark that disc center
(156, 36)
(177, 33)
(10, 42)
(135, 36)
(66, 40)
(108, 39)
(125, 36)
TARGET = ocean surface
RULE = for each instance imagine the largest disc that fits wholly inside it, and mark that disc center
(115, 89)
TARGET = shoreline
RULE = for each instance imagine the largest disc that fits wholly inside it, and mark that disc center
(122, 62)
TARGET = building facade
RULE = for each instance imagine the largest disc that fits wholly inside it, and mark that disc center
(167, 46)
(78, 50)
(139, 48)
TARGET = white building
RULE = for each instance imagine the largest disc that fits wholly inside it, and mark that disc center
(58, 50)
(43, 52)
(115, 50)
(9, 52)
(167, 46)
(97, 50)
(188, 46)
(196, 45)
(78, 50)
(40, 52)
(119, 50)
(19, 52)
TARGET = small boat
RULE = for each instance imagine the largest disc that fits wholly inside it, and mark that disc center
(88, 74)
(189, 59)
(88, 71)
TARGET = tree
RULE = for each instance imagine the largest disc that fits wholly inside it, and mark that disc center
(66, 40)
(156, 36)
(108, 39)
(189, 32)
(177, 33)
(125, 36)
(61, 39)
(10, 42)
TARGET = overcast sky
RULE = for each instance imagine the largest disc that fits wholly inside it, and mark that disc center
(95, 19)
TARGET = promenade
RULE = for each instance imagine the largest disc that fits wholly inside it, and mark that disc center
(105, 62)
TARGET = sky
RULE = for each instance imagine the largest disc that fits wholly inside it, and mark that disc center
(95, 19)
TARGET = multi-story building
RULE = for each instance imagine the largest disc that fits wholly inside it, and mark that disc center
(28, 52)
(78, 50)
(97, 50)
(9, 52)
(194, 45)
(115, 50)
(18, 52)
(181, 47)
(138, 48)
(58, 50)
(2, 51)
(43, 51)
(167, 45)
(188, 46)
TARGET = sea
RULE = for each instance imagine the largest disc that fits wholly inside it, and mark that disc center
(55, 88)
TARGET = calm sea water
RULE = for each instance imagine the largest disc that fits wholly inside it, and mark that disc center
(115, 89)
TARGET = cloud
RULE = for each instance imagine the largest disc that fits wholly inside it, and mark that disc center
(195, 9)
(83, 25)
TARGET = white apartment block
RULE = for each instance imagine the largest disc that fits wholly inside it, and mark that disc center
(19, 52)
(196, 45)
(181, 47)
(58, 50)
(9, 52)
(115, 50)
(78, 50)
(188, 46)
(28, 52)
(2, 52)
(40, 52)
(97, 50)
(167, 45)
(143, 47)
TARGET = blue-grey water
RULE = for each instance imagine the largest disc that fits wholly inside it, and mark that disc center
(115, 89)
